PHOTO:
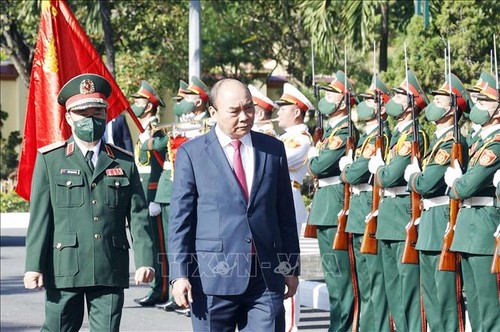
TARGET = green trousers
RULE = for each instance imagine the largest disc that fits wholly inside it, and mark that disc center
(378, 299)
(160, 285)
(64, 308)
(366, 307)
(338, 279)
(443, 302)
(402, 284)
(482, 291)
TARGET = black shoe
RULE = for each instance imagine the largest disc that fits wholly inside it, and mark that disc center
(147, 301)
(168, 306)
(184, 311)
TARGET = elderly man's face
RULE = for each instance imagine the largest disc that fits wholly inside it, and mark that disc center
(235, 111)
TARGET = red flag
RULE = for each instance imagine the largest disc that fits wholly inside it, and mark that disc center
(62, 52)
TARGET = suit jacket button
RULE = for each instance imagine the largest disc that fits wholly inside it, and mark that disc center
(248, 240)
(59, 245)
(97, 236)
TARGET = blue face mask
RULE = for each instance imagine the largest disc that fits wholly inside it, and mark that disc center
(90, 129)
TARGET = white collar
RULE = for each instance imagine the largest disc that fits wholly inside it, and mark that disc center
(371, 128)
(298, 128)
(442, 131)
(84, 149)
(487, 131)
(403, 125)
(333, 122)
(225, 140)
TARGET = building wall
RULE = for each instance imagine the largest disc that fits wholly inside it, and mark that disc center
(13, 98)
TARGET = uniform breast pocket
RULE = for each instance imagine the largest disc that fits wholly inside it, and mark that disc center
(117, 191)
(69, 191)
(65, 255)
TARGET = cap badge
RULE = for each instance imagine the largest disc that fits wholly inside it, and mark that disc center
(87, 87)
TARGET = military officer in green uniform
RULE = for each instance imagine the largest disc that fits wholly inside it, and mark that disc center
(328, 201)
(441, 291)
(145, 107)
(479, 216)
(486, 79)
(374, 312)
(194, 119)
(83, 193)
(401, 280)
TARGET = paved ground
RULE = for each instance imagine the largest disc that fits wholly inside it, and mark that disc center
(22, 310)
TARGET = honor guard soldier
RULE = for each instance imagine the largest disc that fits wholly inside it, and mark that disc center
(293, 106)
(374, 312)
(441, 291)
(164, 192)
(194, 119)
(479, 216)
(145, 107)
(328, 201)
(83, 193)
(484, 79)
(264, 108)
(402, 281)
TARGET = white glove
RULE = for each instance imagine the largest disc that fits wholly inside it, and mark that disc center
(154, 209)
(411, 169)
(375, 162)
(143, 137)
(496, 178)
(346, 161)
(452, 174)
(497, 232)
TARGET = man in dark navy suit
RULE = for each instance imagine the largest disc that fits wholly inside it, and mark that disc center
(233, 241)
(118, 133)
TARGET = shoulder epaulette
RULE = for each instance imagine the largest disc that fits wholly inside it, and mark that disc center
(344, 125)
(51, 147)
(120, 149)
(497, 138)
(448, 136)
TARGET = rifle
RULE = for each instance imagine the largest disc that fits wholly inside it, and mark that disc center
(341, 239)
(410, 254)
(369, 243)
(448, 258)
(310, 231)
(495, 264)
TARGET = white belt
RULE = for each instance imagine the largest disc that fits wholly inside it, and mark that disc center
(356, 189)
(144, 169)
(167, 165)
(435, 201)
(329, 181)
(395, 191)
(478, 201)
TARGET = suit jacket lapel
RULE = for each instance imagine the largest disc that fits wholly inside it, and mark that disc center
(260, 161)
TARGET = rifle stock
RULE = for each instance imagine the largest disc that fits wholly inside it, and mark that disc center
(369, 243)
(495, 265)
(410, 253)
(341, 239)
(448, 258)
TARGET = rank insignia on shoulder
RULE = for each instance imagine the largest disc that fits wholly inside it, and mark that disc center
(487, 158)
(50, 147)
(441, 157)
(65, 171)
(405, 149)
(291, 143)
(369, 151)
(335, 143)
(114, 172)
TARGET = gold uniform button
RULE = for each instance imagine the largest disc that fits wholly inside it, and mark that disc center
(68, 183)
(96, 218)
(94, 185)
(59, 245)
(97, 236)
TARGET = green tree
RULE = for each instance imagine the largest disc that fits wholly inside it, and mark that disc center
(8, 153)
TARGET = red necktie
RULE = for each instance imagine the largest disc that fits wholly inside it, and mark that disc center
(238, 167)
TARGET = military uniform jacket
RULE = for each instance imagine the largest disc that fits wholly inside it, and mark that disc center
(430, 184)
(149, 167)
(358, 174)
(395, 212)
(329, 200)
(476, 225)
(77, 231)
